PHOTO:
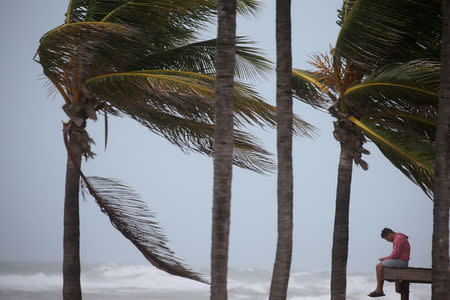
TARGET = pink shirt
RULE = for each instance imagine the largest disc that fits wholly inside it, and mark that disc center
(401, 248)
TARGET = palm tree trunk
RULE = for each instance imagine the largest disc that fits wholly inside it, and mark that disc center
(440, 256)
(282, 266)
(71, 259)
(340, 235)
(223, 147)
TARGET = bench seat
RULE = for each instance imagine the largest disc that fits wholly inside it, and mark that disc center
(413, 275)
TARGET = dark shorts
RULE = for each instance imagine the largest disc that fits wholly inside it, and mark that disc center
(395, 263)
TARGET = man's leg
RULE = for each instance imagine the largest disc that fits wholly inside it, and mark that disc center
(380, 279)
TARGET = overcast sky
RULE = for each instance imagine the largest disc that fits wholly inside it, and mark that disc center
(178, 187)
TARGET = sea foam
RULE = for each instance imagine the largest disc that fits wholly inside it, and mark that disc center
(146, 282)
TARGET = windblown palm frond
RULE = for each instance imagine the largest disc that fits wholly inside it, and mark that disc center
(72, 53)
(92, 49)
(248, 7)
(196, 136)
(131, 216)
(395, 107)
(345, 10)
(200, 57)
(375, 33)
(192, 12)
(401, 88)
(184, 94)
(412, 157)
(111, 56)
(139, 12)
(180, 93)
(179, 106)
(311, 88)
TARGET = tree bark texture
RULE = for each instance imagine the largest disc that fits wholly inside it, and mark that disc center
(440, 255)
(71, 247)
(282, 265)
(340, 235)
(223, 147)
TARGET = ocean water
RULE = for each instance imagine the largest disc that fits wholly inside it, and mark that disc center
(136, 282)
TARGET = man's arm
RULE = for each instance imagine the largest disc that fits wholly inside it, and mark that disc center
(396, 251)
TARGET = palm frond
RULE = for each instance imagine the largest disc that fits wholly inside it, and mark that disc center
(344, 11)
(248, 7)
(174, 94)
(325, 70)
(166, 23)
(402, 88)
(130, 215)
(311, 88)
(186, 94)
(250, 61)
(180, 93)
(71, 53)
(76, 11)
(375, 33)
(98, 10)
(198, 137)
(413, 158)
(200, 57)
(193, 12)
(249, 155)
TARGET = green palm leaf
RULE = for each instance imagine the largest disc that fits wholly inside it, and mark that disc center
(180, 108)
(375, 33)
(72, 53)
(402, 88)
(93, 48)
(311, 88)
(137, 58)
(200, 57)
(413, 158)
(133, 11)
(344, 11)
(186, 94)
(190, 135)
(136, 11)
(396, 106)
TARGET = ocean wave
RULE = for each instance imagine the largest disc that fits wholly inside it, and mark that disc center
(136, 279)
(30, 282)
(147, 282)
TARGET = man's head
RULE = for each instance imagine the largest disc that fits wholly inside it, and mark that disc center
(388, 234)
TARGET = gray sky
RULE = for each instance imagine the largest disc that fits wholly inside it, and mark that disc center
(178, 187)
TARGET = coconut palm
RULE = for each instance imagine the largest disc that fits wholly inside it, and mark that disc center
(223, 147)
(141, 59)
(282, 265)
(440, 256)
(379, 82)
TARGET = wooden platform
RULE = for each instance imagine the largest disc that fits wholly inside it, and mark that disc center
(404, 276)
(414, 275)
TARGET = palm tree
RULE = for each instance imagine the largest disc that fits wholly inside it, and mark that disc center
(223, 147)
(382, 82)
(282, 266)
(141, 59)
(440, 256)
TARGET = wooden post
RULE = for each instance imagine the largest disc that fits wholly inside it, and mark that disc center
(402, 287)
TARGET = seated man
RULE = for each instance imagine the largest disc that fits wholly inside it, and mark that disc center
(398, 259)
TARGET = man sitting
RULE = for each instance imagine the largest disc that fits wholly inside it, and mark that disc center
(399, 257)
